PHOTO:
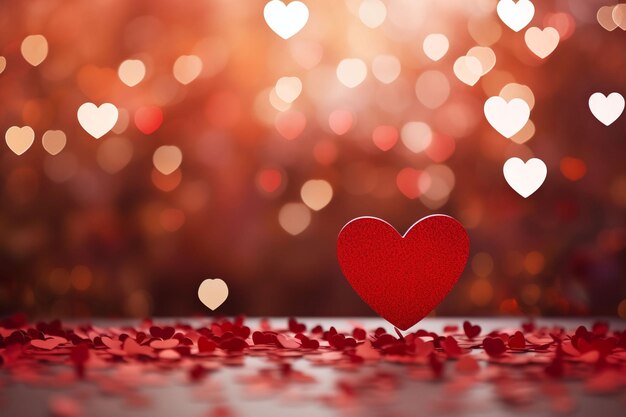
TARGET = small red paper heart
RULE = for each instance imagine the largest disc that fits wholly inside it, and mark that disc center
(517, 341)
(402, 278)
(206, 345)
(471, 330)
(494, 346)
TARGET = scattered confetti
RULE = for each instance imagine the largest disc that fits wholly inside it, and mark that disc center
(117, 359)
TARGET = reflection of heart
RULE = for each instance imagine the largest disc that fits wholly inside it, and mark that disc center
(403, 278)
(213, 292)
(286, 19)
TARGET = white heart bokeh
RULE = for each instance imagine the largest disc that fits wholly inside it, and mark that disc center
(606, 109)
(525, 177)
(286, 19)
(97, 120)
(507, 118)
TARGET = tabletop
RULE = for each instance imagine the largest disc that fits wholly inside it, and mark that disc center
(364, 367)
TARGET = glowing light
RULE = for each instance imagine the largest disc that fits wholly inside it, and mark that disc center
(485, 56)
(619, 15)
(525, 134)
(34, 49)
(605, 18)
(340, 121)
(351, 72)
(386, 68)
(131, 72)
(53, 141)
(484, 30)
(19, 139)
(534, 262)
(277, 102)
(515, 90)
(294, 218)
(290, 124)
(385, 137)
(440, 183)
(407, 182)
(316, 194)
(435, 46)
(288, 89)
(432, 89)
(269, 180)
(416, 136)
(372, 13)
(167, 159)
(573, 169)
(468, 69)
(187, 68)
(81, 278)
(166, 183)
(441, 148)
(148, 119)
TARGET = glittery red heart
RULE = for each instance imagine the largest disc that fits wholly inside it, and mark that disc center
(402, 278)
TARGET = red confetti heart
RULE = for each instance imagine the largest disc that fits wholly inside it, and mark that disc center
(206, 345)
(494, 346)
(451, 347)
(48, 344)
(471, 331)
(517, 341)
(164, 344)
(403, 278)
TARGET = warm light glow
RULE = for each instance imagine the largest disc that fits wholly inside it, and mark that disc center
(316, 194)
(386, 68)
(435, 46)
(416, 136)
(432, 89)
(187, 68)
(288, 89)
(372, 13)
(294, 218)
(34, 49)
(351, 72)
(131, 72)
(53, 141)
(167, 159)
(340, 121)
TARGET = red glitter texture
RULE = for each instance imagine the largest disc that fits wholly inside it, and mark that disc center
(402, 278)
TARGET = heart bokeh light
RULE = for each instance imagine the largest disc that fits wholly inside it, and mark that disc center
(149, 144)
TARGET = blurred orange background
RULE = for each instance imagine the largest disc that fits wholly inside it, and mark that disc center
(273, 167)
